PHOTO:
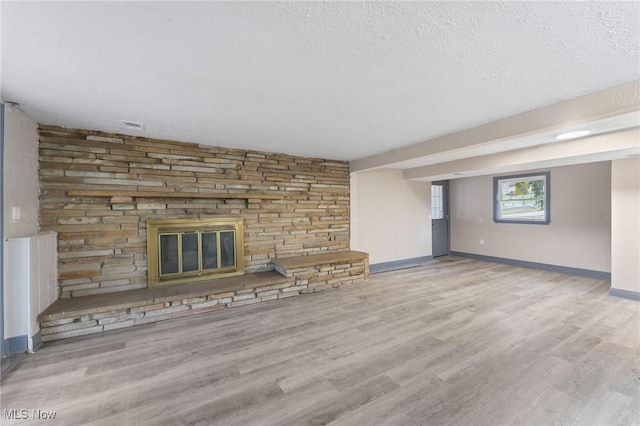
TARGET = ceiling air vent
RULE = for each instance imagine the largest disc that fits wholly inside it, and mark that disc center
(133, 125)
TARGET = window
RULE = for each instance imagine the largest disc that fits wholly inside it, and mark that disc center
(437, 209)
(522, 198)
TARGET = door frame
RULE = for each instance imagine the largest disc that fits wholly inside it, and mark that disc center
(3, 345)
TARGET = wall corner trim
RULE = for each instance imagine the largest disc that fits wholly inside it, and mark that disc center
(598, 275)
(625, 294)
(394, 265)
(37, 341)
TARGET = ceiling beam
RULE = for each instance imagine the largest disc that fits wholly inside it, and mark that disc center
(621, 99)
(596, 148)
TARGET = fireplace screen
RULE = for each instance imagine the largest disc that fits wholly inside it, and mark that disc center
(186, 250)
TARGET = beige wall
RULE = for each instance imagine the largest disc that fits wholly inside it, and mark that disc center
(625, 224)
(390, 217)
(579, 235)
(20, 173)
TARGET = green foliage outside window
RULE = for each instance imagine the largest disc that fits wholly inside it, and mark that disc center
(522, 198)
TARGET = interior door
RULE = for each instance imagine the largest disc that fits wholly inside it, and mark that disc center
(440, 218)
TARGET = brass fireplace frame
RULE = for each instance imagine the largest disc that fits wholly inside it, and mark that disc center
(159, 227)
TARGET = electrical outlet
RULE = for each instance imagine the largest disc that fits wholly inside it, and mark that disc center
(481, 242)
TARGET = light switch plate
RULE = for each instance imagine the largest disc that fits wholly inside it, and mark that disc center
(16, 214)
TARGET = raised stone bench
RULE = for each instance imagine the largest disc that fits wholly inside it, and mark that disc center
(78, 316)
(320, 271)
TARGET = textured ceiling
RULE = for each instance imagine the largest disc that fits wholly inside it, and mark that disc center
(341, 80)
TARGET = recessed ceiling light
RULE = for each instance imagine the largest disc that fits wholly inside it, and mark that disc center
(572, 135)
(133, 125)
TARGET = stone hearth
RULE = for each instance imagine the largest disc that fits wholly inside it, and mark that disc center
(297, 275)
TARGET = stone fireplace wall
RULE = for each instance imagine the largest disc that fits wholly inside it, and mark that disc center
(102, 239)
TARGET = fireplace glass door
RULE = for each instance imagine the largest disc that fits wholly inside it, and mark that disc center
(183, 250)
(186, 252)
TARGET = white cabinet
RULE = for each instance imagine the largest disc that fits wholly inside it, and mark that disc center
(30, 285)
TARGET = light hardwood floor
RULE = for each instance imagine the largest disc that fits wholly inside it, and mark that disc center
(455, 342)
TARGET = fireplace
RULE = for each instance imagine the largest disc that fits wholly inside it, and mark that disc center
(188, 250)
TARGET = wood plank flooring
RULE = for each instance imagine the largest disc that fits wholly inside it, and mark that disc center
(454, 342)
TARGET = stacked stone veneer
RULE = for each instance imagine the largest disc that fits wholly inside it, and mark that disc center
(102, 240)
(61, 323)
(332, 274)
(62, 326)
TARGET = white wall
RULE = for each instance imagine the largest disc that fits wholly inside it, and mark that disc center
(579, 235)
(625, 224)
(21, 188)
(390, 217)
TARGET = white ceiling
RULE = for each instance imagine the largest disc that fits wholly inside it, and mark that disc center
(340, 80)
